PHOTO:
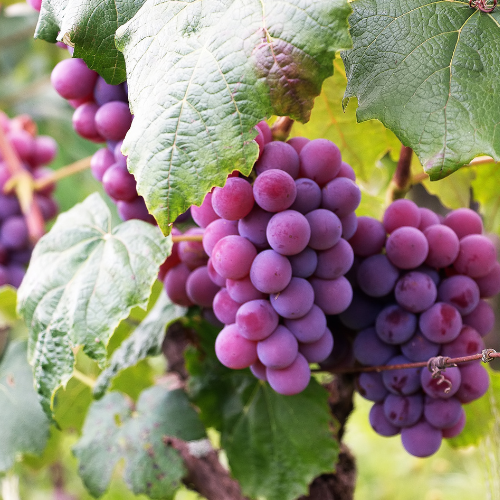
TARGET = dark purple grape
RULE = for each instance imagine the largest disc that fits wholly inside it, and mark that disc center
(377, 276)
(259, 370)
(9, 206)
(369, 237)
(191, 253)
(461, 292)
(134, 209)
(253, 227)
(457, 428)
(402, 381)
(342, 196)
(105, 92)
(438, 387)
(175, 285)
(295, 300)
(308, 328)
(441, 323)
(369, 350)
(349, 225)
(304, 263)
(419, 348)
(442, 413)
(361, 313)
(371, 386)
(474, 382)
(415, 291)
(403, 411)
(14, 233)
(482, 318)
(308, 196)
(395, 325)
(379, 421)
(421, 440)
(335, 261)
(326, 229)
(489, 285)
(318, 351)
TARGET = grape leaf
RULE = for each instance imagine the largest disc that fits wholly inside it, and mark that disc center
(83, 279)
(428, 70)
(276, 445)
(113, 431)
(89, 27)
(24, 427)
(202, 74)
(146, 340)
(485, 189)
(8, 297)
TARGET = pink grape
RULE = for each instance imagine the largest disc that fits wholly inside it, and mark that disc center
(407, 247)
(175, 285)
(320, 160)
(308, 328)
(332, 296)
(464, 221)
(443, 245)
(401, 213)
(288, 232)
(232, 257)
(319, 350)
(205, 213)
(72, 79)
(292, 379)
(489, 285)
(295, 300)
(476, 257)
(243, 290)
(369, 237)
(274, 190)
(341, 195)
(270, 272)
(325, 229)
(225, 308)
(278, 155)
(461, 292)
(279, 349)
(256, 319)
(233, 349)
(308, 196)
(482, 318)
(215, 231)
(233, 201)
(200, 288)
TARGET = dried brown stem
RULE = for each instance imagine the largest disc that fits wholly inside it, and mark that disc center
(281, 128)
(449, 362)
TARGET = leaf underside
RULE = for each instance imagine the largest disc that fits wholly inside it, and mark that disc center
(428, 70)
(83, 279)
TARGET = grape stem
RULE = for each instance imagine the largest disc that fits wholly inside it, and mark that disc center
(62, 173)
(187, 237)
(281, 128)
(400, 182)
(23, 187)
(486, 356)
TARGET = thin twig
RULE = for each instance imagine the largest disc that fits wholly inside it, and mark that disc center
(62, 173)
(486, 356)
(400, 182)
(281, 128)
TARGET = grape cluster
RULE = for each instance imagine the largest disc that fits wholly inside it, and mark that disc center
(33, 151)
(101, 115)
(273, 258)
(421, 298)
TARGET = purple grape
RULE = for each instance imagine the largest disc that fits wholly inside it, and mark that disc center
(369, 237)
(347, 171)
(298, 143)
(274, 190)
(256, 319)
(401, 213)
(113, 120)
(243, 290)
(204, 214)
(279, 349)
(215, 276)
(421, 440)
(332, 296)
(304, 263)
(200, 288)
(320, 160)
(101, 160)
(403, 411)
(191, 253)
(278, 155)
(308, 196)
(288, 232)
(419, 348)
(369, 350)
(415, 291)
(371, 386)
(135, 209)
(215, 231)
(349, 225)
(402, 381)
(342, 196)
(233, 201)
(476, 257)
(14, 233)
(443, 246)
(175, 285)
(233, 349)
(464, 221)
(23, 144)
(84, 122)
(72, 79)
(253, 227)
(379, 421)
(4, 276)
(441, 323)
(395, 325)
(326, 229)
(270, 272)
(439, 388)
(225, 308)
(9, 206)
(489, 285)
(428, 218)
(105, 92)
(308, 328)
(259, 370)
(266, 131)
(16, 274)
(232, 257)
(442, 413)
(482, 318)
(292, 379)
(44, 151)
(335, 261)
(377, 276)
(461, 292)
(475, 382)
(457, 428)
(295, 300)
(407, 247)
(318, 351)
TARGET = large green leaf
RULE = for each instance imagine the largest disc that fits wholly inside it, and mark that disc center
(146, 340)
(276, 445)
(23, 426)
(202, 74)
(90, 27)
(83, 279)
(114, 431)
(428, 70)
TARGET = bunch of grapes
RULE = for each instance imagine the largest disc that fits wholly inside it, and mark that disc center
(275, 256)
(33, 152)
(421, 298)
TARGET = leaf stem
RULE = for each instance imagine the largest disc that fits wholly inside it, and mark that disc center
(85, 379)
(400, 182)
(282, 128)
(62, 173)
